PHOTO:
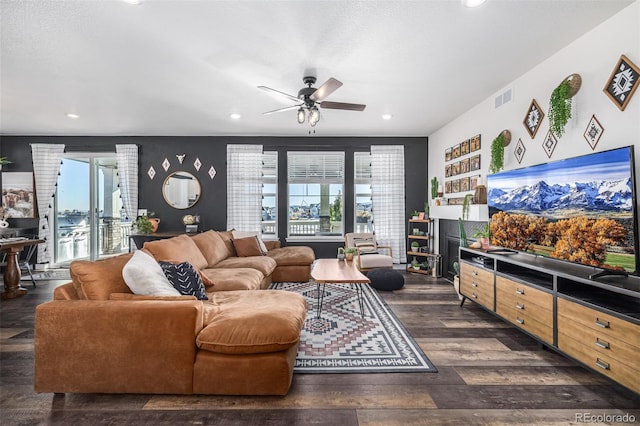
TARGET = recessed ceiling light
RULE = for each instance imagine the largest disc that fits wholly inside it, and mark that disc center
(134, 2)
(72, 115)
(472, 3)
(387, 116)
(235, 116)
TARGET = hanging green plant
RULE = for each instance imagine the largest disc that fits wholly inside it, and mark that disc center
(497, 154)
(559, 108)
(560, 103)
(465, 206)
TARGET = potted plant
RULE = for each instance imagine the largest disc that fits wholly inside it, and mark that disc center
(483, 234)
(3, 160)
(146, 224)
(415, 215)
(415, 246)
(341, 254)
(497, 154)
(560, 103)
(349, 252)
(434, 188)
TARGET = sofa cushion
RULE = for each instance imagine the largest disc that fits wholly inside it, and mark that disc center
(184, 278)
(292, 255)
(234, 278)
(143, 275)
(97, 280)
(264, 264)
(212, 246)
(254, 322)
(227, 237)
(248, 246)
(246, 234)
(181, 248)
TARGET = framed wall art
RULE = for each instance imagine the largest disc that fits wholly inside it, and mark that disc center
(447, 170)
(455, 169)
(465, 147)
(475, 163)
(549, 143)
(533, 119)
(464, 184)
(475, 143)
(455, 186)
(17, 194)
(447, 154)
(623, 82)
(464, 166)
(593, 132)
(447, 187)
(519, 151)
(456, 151)
(473, 182)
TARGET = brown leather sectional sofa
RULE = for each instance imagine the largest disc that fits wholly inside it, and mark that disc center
(98, 337)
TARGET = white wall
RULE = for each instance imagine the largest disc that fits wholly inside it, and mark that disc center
(593, 56)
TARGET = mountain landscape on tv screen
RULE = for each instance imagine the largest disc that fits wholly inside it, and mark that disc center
(556, 201)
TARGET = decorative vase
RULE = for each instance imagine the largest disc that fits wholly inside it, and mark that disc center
(349, 256)
(154, 223)
(485, 243)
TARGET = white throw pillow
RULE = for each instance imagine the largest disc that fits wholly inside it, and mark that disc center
(143, 275)
(245, 234)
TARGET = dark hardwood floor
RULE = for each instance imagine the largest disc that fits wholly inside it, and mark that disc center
(489, 373)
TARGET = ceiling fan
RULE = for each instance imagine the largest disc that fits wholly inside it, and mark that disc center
(309, 98)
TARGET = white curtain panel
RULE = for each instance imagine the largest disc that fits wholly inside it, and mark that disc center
(127, 159)
(244, 187)
(46, 166)
(387, 195)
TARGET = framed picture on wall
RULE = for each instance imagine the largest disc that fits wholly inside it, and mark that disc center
(464, 166)
(447, 187)
(464, 184)
(533, 119)
(465, 147)
(549, 143)
(456, 151)
(593, 132)
(475, 163)
(447, 154)
(623, 82)
(455, 169)
(17, 194)
(447, 170)
(519, 151)
(475, 143)
(455, 187)
(473, 182)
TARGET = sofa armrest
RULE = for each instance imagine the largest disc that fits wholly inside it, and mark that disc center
(65, 292)
(90, 346)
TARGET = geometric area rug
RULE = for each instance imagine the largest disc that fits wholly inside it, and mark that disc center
(344, 341)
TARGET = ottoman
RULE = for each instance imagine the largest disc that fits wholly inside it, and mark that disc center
(385, 279)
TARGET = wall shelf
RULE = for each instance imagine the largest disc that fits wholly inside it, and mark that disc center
(477, 212)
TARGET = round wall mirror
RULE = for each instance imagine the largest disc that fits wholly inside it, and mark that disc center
(181, 190)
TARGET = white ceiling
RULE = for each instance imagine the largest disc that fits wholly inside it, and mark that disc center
(179, 67)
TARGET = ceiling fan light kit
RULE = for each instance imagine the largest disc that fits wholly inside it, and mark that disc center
(311, 98)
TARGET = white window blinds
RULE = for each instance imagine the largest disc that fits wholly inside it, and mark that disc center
(244, 187)
(315, 167)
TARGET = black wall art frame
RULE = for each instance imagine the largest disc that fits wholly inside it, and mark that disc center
(533, 118)
(623, 82)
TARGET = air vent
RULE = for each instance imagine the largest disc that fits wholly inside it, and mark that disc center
(503, 98)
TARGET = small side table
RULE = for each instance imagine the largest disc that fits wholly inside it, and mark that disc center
(12, 247)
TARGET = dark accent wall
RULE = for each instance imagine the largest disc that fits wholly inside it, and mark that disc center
(211, 150)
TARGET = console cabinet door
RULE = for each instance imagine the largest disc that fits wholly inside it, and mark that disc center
(603, 342)
(526, 307)
(476, 284)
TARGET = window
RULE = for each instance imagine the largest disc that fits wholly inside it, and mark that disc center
(362, 184)
(315, 193)
(269, 193)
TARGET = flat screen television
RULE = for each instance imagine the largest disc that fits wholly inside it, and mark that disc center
(581, 210)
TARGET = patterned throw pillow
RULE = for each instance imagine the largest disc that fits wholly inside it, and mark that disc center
(184, 278)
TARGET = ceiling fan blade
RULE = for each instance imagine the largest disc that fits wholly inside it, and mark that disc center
(289, 108)
(277, 92)
(326, 89)
(343, 105)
